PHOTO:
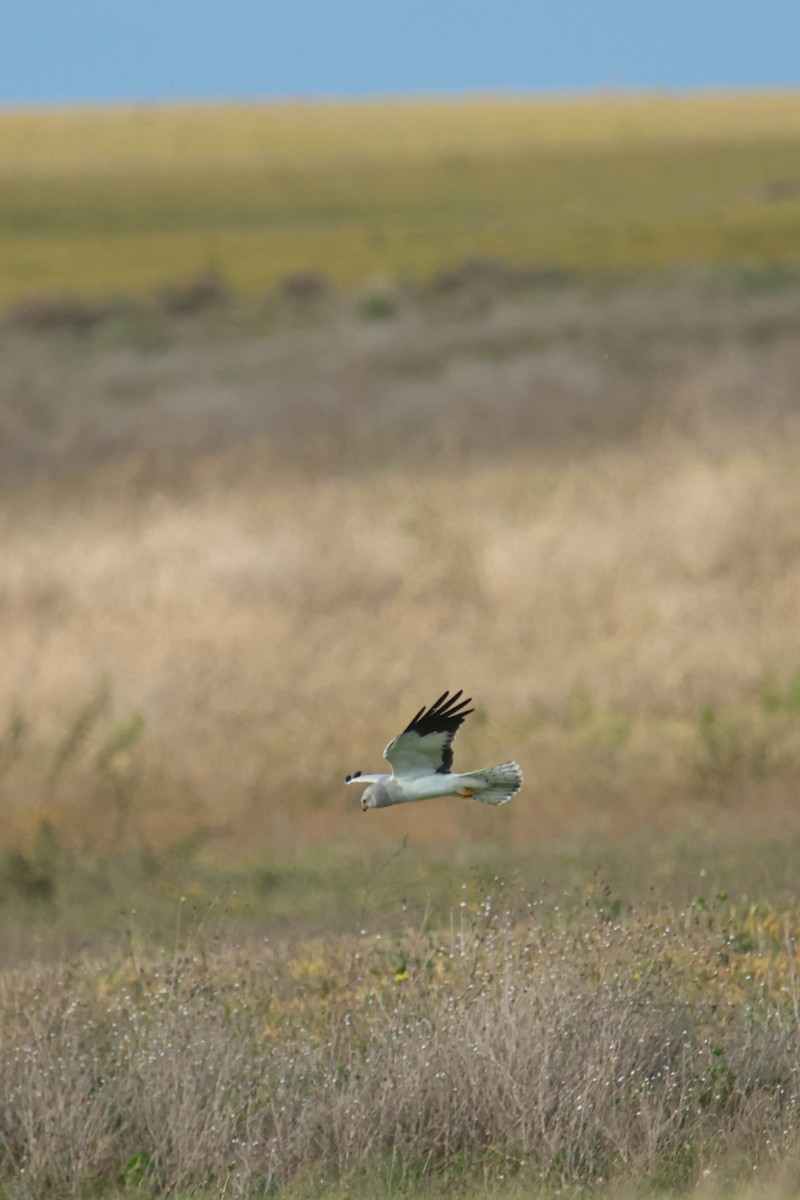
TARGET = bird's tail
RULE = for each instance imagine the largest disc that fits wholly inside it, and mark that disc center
(495, 785)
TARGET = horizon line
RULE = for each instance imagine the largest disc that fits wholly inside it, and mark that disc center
(454, 97)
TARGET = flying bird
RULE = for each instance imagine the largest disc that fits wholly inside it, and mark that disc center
(421, 758)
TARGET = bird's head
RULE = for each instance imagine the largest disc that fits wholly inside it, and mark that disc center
(369, 797)
(373, 796)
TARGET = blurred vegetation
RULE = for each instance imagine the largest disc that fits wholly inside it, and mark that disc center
(99, 845)
(251, 522)
(237, 537)
(132, 199)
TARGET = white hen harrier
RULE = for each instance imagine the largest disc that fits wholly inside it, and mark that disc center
(421, 757)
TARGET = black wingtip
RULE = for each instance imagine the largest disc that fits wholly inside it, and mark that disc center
(348, 778)
(445, 714)
(357, 775)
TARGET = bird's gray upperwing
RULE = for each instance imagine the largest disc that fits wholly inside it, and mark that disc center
(426, 743)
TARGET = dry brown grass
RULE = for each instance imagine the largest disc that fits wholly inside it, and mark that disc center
(584, 510)
(655, 1052)
(236, 548)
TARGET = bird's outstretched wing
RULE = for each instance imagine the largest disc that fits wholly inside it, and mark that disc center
(426, 743)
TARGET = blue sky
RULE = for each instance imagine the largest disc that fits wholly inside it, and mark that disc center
(96, 50)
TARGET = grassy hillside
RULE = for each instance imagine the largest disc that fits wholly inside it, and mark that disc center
(129, 199)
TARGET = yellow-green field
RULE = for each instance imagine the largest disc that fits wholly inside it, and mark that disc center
(130, 199)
